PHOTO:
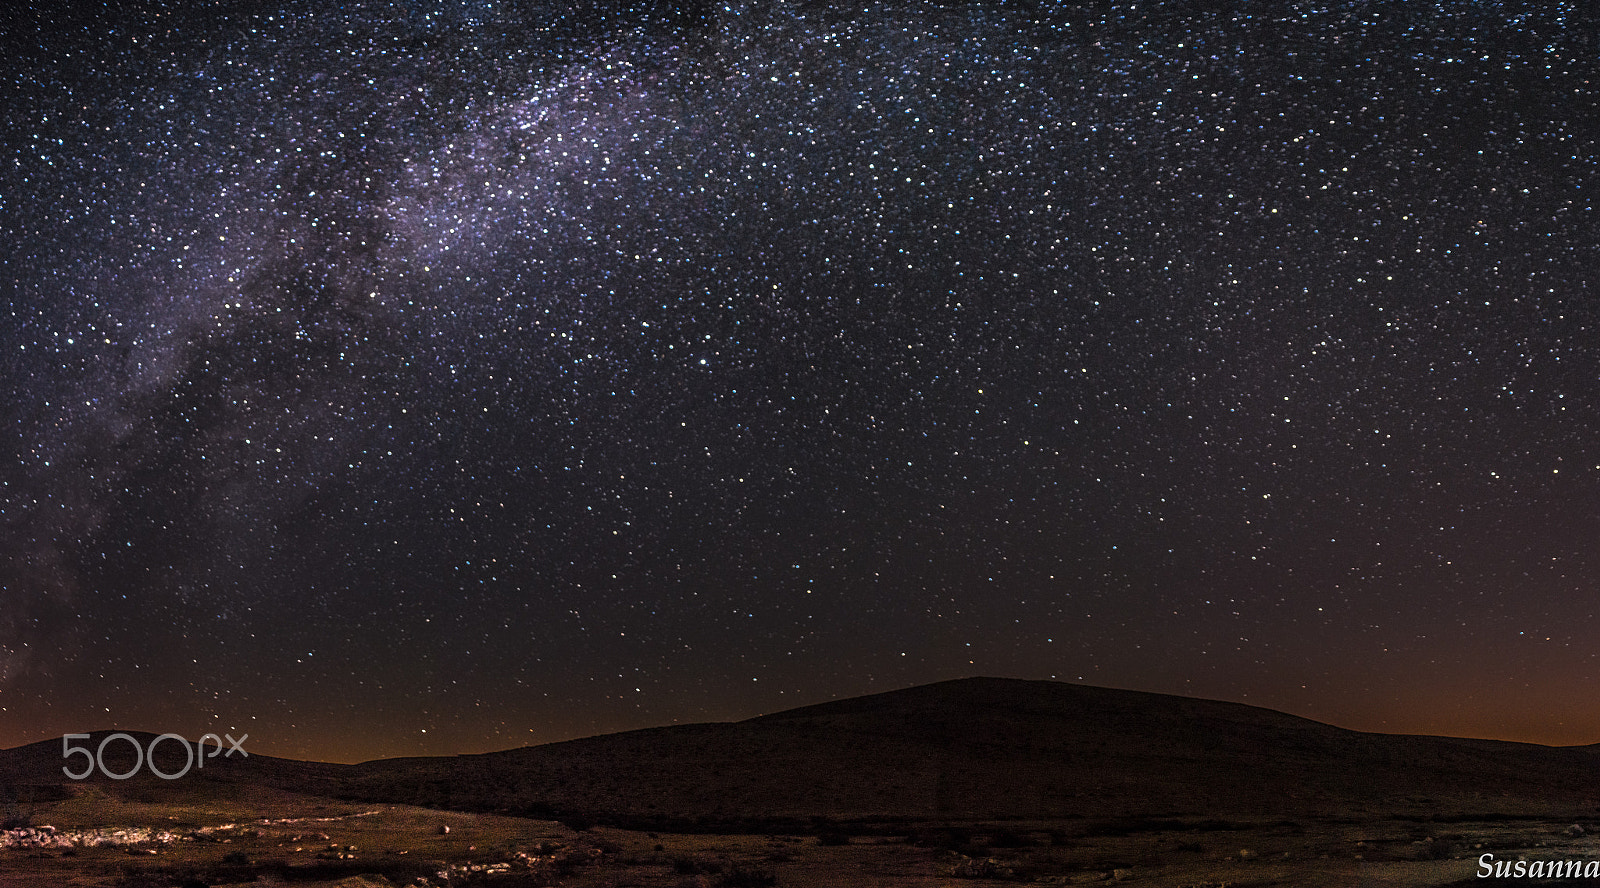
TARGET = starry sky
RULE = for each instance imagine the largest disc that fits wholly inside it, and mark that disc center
(439, 376)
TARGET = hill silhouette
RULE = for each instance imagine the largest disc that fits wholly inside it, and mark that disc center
(964, 749)
(33, 773)
(986, 747)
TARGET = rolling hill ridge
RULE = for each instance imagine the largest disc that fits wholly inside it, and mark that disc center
(984, 747)
(974, 748)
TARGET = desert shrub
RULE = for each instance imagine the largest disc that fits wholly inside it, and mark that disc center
(401, 872)
(508, 880)
(577, 822)
(949, 838)
(236, 858)
(1486, 817)
(160, 877)
(11, 814)
(981, 868)
(539, 811)
(1128, 826)
(1435, 850)
(739, 877)
(1010, 838)
(144, 877)
(685, 865)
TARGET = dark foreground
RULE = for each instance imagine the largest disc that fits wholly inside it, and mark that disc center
(283, 838)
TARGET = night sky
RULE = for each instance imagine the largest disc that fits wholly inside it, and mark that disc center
(452, 375)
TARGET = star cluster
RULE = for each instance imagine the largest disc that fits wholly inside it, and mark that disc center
(390, 378)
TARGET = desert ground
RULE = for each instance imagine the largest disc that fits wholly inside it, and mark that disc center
(274, 837)
(967, 783)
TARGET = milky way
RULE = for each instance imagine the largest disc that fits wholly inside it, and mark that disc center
(437, 377)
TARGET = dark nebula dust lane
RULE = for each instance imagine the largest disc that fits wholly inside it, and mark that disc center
(427, 377)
